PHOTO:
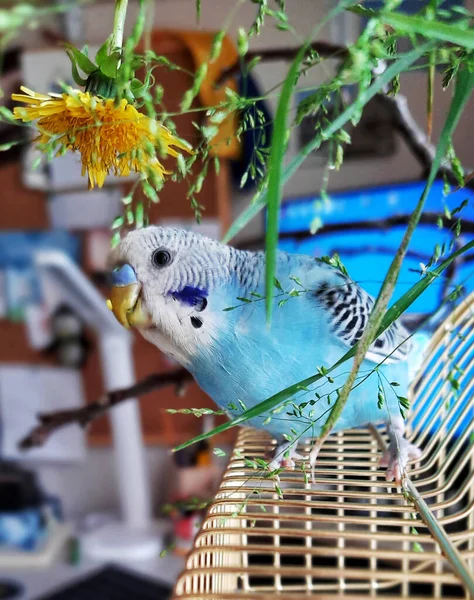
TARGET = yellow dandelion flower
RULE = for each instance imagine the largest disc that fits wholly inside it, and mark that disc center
(111, 136)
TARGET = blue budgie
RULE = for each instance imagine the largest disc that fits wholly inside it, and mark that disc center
(201, 302)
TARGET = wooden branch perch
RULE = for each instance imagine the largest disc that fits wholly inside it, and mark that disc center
(416, 139)
(51, 422)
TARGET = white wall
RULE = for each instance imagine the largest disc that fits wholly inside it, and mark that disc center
(91, 486)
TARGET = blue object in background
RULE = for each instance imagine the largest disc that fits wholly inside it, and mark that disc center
(367, 253)
(17, 250)
(27, 529)
(22, 530)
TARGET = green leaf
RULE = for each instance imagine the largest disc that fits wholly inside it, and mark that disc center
(361, 11)
(75, 73)
(36, 163)
(199, 77)
(149, 191)
(216, 45)
(252, 63)
(115, 241)
(187, 100)
(459, 208)
(417, 547)
(431, 29)
(8, 145)
(275, 178)
(315, 225)
(261, 200)
(404, 402)
(139, 215)
(278, 285)
(242, 404)
(137, 87)
(399, 307)
(242, 42)
(82, 61)
(181, 163)
(102, 52)
(7, 115)
(118, 222)
(297, 280)
(380, 400)
(110, 63)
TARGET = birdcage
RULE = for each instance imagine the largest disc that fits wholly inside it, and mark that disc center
(352, 534)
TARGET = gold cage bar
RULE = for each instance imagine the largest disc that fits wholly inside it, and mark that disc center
(352, 534)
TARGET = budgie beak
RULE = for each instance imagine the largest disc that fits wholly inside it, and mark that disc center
(125, 300)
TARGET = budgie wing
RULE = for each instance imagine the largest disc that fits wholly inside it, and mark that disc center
(348, 308)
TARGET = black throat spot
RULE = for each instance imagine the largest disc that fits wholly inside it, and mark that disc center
(196, 322)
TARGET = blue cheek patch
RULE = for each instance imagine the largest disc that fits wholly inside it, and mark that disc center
(123, 276)
(191, 296)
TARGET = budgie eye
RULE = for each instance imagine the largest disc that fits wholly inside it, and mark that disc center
(161, 258)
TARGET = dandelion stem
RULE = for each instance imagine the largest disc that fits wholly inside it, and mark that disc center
(119, 23)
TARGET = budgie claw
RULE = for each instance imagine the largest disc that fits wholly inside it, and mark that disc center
(397, 457)
(283, 457)
(284, 463)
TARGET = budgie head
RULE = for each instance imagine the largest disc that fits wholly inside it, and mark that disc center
(162, 281)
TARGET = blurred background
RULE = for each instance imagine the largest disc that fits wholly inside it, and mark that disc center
(87, 499)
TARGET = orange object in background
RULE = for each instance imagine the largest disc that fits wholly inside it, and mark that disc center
(199, 44)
